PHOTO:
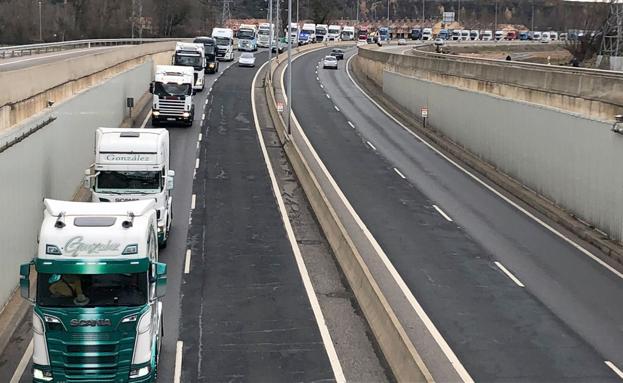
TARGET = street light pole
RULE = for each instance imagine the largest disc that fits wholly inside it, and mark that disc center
(40, 24)
(289, 67)
(357, 8)
(495, 27)
(270, 38)
(388, 5)
(297, 11)
(458, 19)
(532, 17)
(423, 9)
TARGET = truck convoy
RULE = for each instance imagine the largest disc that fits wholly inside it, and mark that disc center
(97, 300)
(247, 38)
(192, 55)
(209, 47)
(307, 34)
(334, 32)
(263, 34)
(321, 32)
(172, 91)
(224, 38)
(131, 165)
(348, 33)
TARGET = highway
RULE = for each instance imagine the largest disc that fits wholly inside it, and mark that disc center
(22, 62)
(515, 300)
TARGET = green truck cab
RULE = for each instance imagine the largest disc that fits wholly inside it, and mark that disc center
(97, 292)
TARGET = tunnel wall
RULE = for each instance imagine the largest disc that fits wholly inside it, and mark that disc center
(50, 162)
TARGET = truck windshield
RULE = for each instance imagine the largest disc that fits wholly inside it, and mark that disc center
(334, 30)
(244, 34)
(264, 32)
(187, 60)
(128, 182)
(222, 41)
(172, 89)
(92, 290)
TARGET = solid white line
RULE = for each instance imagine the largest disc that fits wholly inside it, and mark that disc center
(400, 174)
(509, 274)
(177, 375)
(370, 144)
(23, 363)
(197, 163)
(485, 185)
(145, 120)
(309, 288)
(447, 217)
(351, 124)
(206, 103)
(187, 262)
(336, 108)
(193, 201)
(614, 368)
(200, 137)
(55, 55)
(430, 326)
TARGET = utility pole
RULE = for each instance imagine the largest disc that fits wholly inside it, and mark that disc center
(270, 38)
(495, 27)
(297, 11)
(357, 8)
(388, 5)
(40, 24)
(140, 19)
(423, 10)
(458, 18)
(226, 12)
(289, 67)
(532, 28)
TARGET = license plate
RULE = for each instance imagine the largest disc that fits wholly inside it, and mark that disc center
(170, 119)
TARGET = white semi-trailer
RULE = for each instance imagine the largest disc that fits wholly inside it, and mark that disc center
(133, 164)
(224, 43)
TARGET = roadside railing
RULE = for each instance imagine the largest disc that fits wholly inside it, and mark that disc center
(30, 49)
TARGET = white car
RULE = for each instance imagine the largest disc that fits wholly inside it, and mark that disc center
(246, 59)
(329, 62)
(402, 42)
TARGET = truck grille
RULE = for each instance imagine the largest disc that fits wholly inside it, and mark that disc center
(171, 107)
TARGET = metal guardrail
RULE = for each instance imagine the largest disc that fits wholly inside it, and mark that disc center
(24, 50)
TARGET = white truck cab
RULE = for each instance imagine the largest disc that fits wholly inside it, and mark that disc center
(192, 55)
(487, 35)
(427, 34)
(133, 164)
(172, 91)
(264, 34)
(224, 43)
(321, 32)
(348, 33)
(334, 32)
(307, 34)
(293, 32)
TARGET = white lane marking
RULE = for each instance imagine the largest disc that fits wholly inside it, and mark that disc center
(322, 86)
(193, 201)
(317, 79)
(177, 375)
(54, 55)
(206, 103)
(210, 90)
(370, 145)
(446, 216)
(487, 186)
(309, 288)
(187, 262)
(200, 137)
(509, 274)
(198, 144)
(23, 363)
(400, 174)
(328, 96)
(614, 368)
(419, 310)
(197, 163)
(145, 120)
(336, 108)
(203, 117)
(351, 124)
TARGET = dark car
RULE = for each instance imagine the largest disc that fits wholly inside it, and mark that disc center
(337, 53)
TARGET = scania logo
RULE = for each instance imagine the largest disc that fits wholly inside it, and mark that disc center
(89, 322)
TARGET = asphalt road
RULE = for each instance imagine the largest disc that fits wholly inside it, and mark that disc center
(245, 313)
(444, 232)
(22, 62)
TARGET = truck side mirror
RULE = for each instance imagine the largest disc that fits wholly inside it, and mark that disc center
(24, 281)
(170, 180)
(161, 279)
(88, 179)
(151, 87)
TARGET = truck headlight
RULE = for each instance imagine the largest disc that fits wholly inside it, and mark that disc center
(139, 372)
(211, 65)
(42, 375)
(40, 348)
(142, 344)
(186, 115)
(156, 113)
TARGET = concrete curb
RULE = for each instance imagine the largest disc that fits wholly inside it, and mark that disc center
(612, 250)
(399, 351)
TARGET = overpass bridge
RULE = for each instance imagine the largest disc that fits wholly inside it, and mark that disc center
(361, 245)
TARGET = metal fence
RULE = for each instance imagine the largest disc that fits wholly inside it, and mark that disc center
(25, 50)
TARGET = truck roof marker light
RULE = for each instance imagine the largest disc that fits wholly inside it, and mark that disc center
(130, 249)
(52, 250)
(60, 221)
(47, 263)
(134, 263)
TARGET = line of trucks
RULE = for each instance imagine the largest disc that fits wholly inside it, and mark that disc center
(96, 282)
(488, 35)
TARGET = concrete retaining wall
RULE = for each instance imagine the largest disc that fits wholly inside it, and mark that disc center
(593, 94)
(570, 159)
(27, 91)
(50, 162)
